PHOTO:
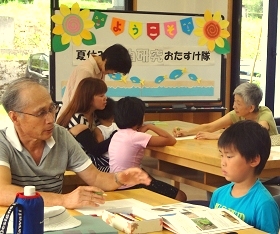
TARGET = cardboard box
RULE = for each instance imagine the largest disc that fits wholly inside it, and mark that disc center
(119, 219)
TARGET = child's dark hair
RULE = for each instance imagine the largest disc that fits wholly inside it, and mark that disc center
(129, 112)
(108, 111)
(250, 139)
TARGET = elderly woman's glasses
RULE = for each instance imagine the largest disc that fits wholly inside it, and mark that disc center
(43, 113)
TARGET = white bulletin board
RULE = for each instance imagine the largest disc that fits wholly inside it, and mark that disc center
(168, 63)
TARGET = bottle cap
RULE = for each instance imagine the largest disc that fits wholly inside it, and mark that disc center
(29, 191)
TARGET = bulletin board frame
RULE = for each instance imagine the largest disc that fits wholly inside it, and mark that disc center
(164, 81)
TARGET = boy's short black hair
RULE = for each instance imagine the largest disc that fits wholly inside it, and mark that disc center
(250, 139)
(129, 112)
(117, 59)
(108, 111)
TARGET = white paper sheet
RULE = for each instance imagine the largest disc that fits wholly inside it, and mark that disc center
(184, 138)
(113, 204)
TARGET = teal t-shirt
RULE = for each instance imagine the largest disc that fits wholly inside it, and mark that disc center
(256, 208)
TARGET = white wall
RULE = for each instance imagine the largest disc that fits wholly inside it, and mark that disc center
(183, 6)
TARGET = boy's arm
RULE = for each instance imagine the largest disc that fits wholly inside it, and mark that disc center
(163, 138)
(98, 135)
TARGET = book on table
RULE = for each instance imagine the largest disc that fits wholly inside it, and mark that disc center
(89, 225)
(196, 219)
(180, 217)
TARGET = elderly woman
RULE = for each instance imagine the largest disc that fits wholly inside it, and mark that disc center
(247, 98)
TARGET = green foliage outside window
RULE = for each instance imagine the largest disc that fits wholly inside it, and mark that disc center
(254, 8)
(32, 24)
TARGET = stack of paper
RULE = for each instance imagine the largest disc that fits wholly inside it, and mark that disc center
(194, 219)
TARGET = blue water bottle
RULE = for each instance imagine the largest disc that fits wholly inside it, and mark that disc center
(31, 220)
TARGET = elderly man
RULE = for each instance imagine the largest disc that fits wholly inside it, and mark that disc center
(36, 151)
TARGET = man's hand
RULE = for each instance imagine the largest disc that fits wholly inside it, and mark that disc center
(83, 196)
(133, 176)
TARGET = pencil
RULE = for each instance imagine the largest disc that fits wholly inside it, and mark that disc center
(125, 216)
(100, 193)
(136, 217)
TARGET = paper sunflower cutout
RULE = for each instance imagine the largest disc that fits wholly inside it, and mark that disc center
(212, 32)
(72, 25)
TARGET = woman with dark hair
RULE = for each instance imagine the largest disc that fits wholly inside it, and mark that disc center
(80, 120)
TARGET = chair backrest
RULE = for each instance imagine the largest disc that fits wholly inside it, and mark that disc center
(277, 199)
(277, 121)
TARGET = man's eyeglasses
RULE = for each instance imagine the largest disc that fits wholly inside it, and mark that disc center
(43, 113)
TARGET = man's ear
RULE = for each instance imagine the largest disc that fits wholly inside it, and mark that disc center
(13, 116)
(255, 161)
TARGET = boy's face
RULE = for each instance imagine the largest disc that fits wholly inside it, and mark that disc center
(235, 168)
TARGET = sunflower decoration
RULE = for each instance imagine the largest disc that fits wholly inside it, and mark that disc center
(211, 30)
(72, 25)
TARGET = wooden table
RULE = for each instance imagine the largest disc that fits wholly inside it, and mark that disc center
(194, 162)
(148, 197)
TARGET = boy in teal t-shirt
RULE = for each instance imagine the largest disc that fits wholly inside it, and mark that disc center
(245, 148)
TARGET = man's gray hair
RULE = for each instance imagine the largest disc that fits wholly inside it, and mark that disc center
(250, 93)
(11, 99)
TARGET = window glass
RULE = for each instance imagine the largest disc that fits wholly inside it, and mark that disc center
(254, 33)
(35, 62)
(44, 62)
(254, 43)
(96, 4)
(25, 32)
(277, 76)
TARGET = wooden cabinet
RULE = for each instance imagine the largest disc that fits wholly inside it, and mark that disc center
(194, 113)
(197, 117)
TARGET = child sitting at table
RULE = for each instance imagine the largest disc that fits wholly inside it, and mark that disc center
(245, 148)
(106, 119)
(127, 146)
